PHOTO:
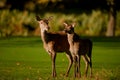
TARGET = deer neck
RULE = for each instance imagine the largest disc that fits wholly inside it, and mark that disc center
(44, 36)
(70, 39)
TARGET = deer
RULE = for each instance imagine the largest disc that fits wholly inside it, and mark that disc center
(54, 42)
(79, 47)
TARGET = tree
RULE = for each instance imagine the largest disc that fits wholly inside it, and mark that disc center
(112, 18)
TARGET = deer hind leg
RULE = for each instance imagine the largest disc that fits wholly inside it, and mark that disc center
(70, 63)
(90, 68)
(53, 57)
(90, 62)
(87, 64)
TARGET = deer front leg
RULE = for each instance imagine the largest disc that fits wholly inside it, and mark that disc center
(78, 66)
(70, 63)
(53, 57)
(75, 65)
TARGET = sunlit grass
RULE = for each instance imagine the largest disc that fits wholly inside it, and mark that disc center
(25, 59)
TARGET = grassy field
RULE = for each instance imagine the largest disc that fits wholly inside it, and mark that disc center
(23, 58)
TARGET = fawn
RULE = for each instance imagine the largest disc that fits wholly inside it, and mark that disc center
(79, 47)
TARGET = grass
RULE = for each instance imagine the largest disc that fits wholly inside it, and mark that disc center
(23, 58)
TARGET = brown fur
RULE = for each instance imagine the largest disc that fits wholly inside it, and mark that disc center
(53, 43)
(79, 47)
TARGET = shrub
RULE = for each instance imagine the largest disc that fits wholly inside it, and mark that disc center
(13, 23)
(23, 23)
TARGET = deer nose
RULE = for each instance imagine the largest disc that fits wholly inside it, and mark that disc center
(47, 28)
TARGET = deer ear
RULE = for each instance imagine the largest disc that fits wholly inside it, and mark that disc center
(38, 18)
(73, 24)
(65, 24)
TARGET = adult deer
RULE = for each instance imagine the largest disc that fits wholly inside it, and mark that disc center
(79, 47)
(53, 43)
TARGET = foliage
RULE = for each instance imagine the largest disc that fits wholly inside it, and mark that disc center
(117, 33)
(13, 22)
(17, 23)
(93, 24)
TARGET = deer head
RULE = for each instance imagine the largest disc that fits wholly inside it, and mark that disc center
(69, 28)
(43, 23)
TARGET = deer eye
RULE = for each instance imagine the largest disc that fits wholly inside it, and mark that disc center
(41, 22)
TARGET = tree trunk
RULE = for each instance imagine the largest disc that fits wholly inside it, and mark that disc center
(112, 20)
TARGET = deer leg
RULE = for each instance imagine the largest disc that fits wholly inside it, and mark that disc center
(70, 63)
(90, 62)
(75, 65)
(78, 66)
(90, 68)
(53, 57)
(87, 64)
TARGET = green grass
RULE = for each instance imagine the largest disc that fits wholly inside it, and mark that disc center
(23, 58)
